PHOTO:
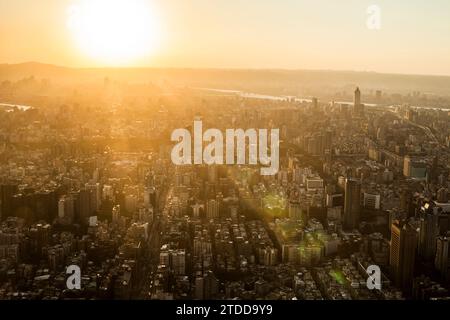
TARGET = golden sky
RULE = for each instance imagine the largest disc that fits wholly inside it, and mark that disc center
(292, 34)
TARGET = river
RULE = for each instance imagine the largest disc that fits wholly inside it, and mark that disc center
(294, 98)
(10, 107)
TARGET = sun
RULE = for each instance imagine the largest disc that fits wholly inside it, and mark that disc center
(114, 32)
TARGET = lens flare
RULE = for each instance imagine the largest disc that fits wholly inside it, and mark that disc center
(114, 31)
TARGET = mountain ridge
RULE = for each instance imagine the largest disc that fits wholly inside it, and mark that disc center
(279, 80)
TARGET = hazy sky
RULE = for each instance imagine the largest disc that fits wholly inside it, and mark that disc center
(293, 34)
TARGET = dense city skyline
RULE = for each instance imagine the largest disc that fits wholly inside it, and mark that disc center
(361, 184)
(188, 152)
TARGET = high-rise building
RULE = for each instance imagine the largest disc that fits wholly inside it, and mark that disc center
(199, 288)
(220, 203)
(313, 144)
(96, 194)
(6, 195)
(295, 211)
(314, 102)
(268, 256)
(196, 210)
(315, 183)
(212, 209)
(173, 259)
(61, 207)
(406, 202)
(206, 286)
(116, 214)
(429, 231)
(335, 200)
(442, 195)
(378, 95)
(84, 205)
(178, 261)
(357, 98)
(352, 203)
(108, 193)
(66, 212)
(371, 201)
(151, 197)
(358, 107)
(212, 174)
(131, 203)
(414, 168)
(327, 141)
(403, 254)
(46, 205)
(442, 259)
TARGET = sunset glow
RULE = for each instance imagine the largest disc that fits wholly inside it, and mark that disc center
(113, 32)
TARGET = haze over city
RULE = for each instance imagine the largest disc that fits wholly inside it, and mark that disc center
(253, 152)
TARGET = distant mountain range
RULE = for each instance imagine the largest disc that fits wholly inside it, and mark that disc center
(271, 81)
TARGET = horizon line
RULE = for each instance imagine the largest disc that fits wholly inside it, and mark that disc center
(221, 68)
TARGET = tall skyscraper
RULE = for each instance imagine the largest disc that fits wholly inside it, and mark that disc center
(403, 254)
(96, 194)
(6, 195)
(85, 207)
(406, 202)
(378, 96)
(66, 210)
(442, 195)
(295, 211)
(442, 259)
(206, 286)
(212, 209)
(174, 259)
(196, 210)
(315, 102)
(327, 140)
(429, 231)
(358, 107)
(116, 214)
(357, 99)
(352, 203)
